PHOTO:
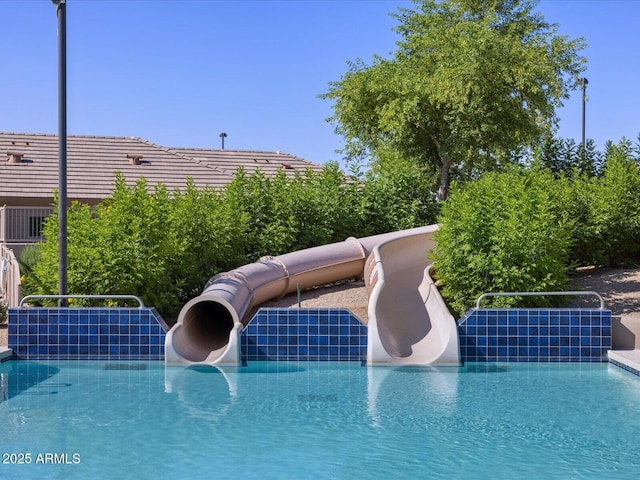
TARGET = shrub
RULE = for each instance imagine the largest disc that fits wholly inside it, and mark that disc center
(147, 242)
(28, 259)
(397, 195)
(504, 232)
(3, 312)
(611, 232)
(163, 246)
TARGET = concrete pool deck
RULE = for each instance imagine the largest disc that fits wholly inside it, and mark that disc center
(627, 359)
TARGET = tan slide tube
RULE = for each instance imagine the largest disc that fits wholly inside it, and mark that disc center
(208, 327)
(409, 322)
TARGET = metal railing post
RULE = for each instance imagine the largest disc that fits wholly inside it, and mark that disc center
(540, 294)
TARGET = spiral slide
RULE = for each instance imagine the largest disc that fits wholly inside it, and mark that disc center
(208, 327)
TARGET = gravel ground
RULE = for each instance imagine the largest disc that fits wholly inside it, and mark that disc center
(619, 287)
(349, 294)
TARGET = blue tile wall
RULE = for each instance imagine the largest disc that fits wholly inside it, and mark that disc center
(486, 335)
(86, 333)
(304, 335)
(535, 335)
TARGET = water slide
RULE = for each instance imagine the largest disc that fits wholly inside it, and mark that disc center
(409, 323)
(208, 327)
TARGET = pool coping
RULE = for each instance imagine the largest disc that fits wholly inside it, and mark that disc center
(5, 353)
(626, 359)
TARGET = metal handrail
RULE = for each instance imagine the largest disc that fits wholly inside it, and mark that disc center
(87, 297)
(531, 294)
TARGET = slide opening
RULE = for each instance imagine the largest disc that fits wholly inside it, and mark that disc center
(207, 325)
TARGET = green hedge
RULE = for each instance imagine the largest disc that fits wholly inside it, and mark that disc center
(503, 232)
(608, 207)
(163, 246)
(526, 229)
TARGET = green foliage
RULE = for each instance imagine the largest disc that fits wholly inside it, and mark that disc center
(471, 84)
(398, 194)
(207, 238)
(505, 232)
(27, 260)
(291, 213)
(284, 214)
(163, 246)
(148, 243)
(565, 157)
(3, 312)
(524, 230)
(608, 207)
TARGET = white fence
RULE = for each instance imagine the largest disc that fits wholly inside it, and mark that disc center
(9, 277)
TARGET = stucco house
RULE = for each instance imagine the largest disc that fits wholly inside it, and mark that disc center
(29, 176)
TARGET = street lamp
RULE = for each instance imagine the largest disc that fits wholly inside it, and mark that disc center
(61, 13)
(584, 83)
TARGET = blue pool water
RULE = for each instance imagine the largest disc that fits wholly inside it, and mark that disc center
(318, 420)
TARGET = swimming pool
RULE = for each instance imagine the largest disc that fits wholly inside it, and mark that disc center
(318, 420)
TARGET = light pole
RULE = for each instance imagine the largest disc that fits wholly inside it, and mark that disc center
(61, 13)
(584, 83)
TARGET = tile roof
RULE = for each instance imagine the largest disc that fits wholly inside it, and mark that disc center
(92, 162)
(231, 160)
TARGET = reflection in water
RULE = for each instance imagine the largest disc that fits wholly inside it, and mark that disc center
(485, 368)
(205, 392)
(417, 369)
(434, 388)
(208, 391)
(269, 367)
(17, 377)
(326, 420)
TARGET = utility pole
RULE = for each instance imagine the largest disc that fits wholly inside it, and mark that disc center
(61, 13)
(584, 83)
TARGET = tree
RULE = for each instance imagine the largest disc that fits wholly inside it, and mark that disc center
(472, 82)
(566, 157)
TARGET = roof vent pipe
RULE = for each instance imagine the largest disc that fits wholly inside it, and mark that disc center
(222, 137)
(134, 158)
(14, 157)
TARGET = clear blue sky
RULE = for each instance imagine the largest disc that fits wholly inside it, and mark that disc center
(178, 73)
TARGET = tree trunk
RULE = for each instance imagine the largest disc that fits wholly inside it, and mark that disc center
(443, 188)
(445, 165)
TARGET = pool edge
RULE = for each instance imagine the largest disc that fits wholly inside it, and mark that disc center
(5, 353)
(626, 359)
